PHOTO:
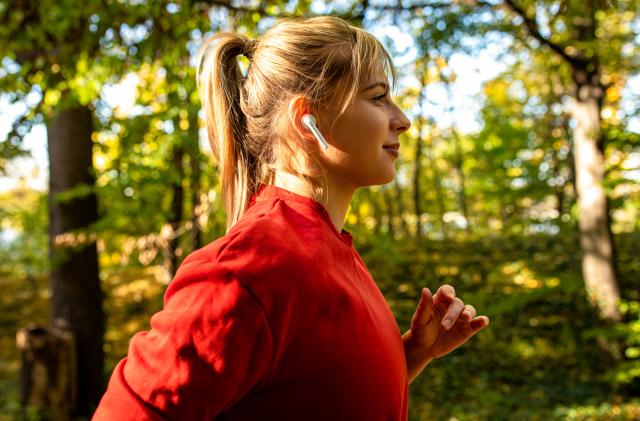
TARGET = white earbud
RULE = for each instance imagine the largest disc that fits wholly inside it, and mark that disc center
(309, 120)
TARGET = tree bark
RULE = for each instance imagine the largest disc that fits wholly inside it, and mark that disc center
(377, 211)
(76, 299)
(401, 211)
(598, 267)
(417, 174)
(173, 252)
(388, 203)
(48, 371)
(458, 163)
(595, 238)
(196, 232)
(437, 186)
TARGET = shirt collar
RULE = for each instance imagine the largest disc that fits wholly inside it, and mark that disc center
(269, 191)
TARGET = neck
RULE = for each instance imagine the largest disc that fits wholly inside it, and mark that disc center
(335, 200)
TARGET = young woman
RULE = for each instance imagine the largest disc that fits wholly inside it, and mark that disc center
(280, 318)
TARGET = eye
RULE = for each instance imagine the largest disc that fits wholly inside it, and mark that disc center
(380, 97)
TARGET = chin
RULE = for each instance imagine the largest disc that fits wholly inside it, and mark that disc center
(390, 175)
(389, 179)
(383, 177)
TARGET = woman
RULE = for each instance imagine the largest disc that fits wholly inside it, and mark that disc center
(280, 318)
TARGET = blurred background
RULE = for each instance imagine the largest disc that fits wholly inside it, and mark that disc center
(518, 184)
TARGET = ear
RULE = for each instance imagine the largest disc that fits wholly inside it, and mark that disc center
(299, 106)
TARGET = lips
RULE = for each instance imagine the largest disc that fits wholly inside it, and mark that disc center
(395, 146)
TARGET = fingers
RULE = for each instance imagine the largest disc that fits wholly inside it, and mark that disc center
(479, 323)
(445, 294)
(424, 312)
(469, 312)
(445, 301)
(455, 308)
(453, 312)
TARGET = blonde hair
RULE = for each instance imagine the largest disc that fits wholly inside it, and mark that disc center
(324, 59)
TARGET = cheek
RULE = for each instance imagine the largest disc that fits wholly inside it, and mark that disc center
(362, 131)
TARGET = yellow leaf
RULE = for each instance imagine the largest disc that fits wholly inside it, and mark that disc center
(613, 94)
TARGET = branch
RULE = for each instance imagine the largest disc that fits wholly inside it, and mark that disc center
(534, 31)
(419, 6)
(262, 11)
(25, 56)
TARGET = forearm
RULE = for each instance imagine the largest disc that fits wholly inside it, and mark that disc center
(416, 359)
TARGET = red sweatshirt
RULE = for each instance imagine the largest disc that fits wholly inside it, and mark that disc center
(277, 320)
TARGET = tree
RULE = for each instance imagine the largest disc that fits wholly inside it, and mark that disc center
(580, 46)
(594, 40)
(64, 55)
(50, 47)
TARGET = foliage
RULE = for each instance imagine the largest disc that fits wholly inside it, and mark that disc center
(23, 280)
(541, 356)
(495, 211)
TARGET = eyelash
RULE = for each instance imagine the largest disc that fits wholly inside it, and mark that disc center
(380, 98)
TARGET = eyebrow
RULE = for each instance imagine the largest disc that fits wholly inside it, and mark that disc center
(374, 84)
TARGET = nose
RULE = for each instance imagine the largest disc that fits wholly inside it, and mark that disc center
(400, 122)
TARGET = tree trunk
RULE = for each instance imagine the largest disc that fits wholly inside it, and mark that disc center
(401, 211)
(388, 204)
(76, 297)
(48, 371)
(437, 186)
(173, 252)
(374, 200)
(196, 232)
(417, 168)
(462, 192)
(596, 243)
(595, 238)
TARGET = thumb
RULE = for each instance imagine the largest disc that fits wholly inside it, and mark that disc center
(424, 311)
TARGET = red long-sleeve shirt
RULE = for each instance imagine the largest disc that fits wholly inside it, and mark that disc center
(279, 319)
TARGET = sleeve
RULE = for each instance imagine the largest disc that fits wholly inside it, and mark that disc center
(208, 347)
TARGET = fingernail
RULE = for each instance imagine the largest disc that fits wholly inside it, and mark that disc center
(446, 324)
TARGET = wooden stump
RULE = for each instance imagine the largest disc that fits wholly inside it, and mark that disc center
(48, 380)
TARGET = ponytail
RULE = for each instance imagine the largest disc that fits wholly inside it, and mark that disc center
(322, 58)
(220, 88)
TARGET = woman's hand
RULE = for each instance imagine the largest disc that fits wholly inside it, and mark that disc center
(441, 324)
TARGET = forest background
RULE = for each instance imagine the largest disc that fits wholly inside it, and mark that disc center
(523, 194)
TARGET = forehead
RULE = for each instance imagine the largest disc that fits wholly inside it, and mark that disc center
(376, 78)
(374, 84)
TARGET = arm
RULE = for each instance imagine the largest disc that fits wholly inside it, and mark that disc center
(207, 348)
(440, 324)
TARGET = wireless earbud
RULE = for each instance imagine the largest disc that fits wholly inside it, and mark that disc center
(309, 120)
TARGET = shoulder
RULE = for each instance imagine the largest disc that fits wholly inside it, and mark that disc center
(271, 236)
